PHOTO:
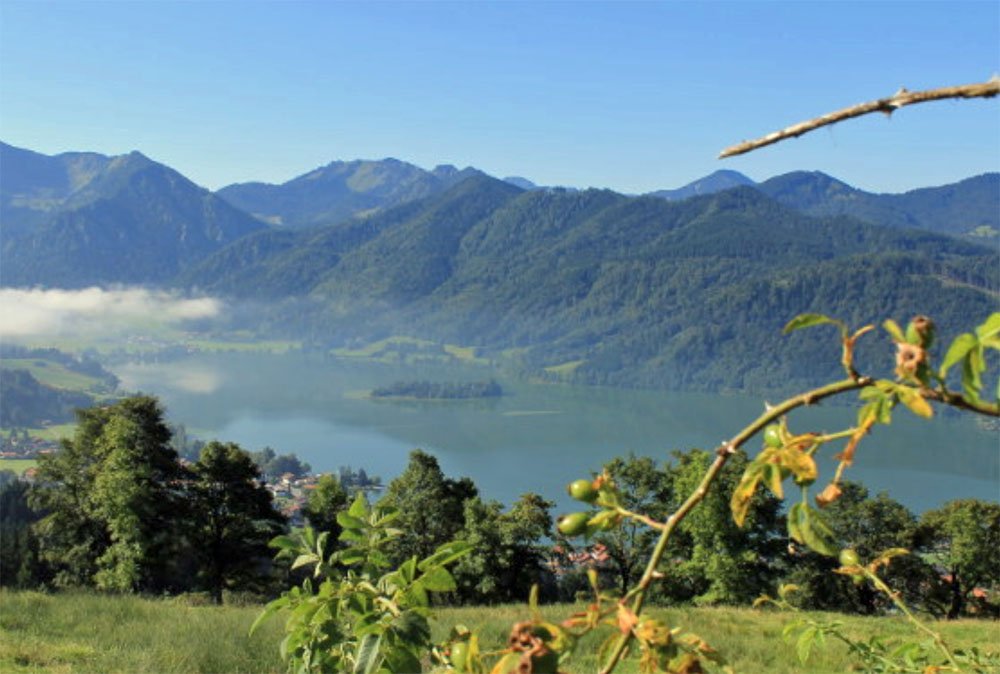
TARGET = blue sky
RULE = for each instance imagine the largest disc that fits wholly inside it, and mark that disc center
(630, 96)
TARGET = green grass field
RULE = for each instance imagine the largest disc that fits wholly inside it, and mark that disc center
(53, 374)
(17, 465)
(92, 633)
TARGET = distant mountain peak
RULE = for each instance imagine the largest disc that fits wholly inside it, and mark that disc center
(723, 179)
(523, 183)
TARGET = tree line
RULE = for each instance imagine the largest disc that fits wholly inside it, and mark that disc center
(115, 510)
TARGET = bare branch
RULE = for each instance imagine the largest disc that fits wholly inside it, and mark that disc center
(888, 105)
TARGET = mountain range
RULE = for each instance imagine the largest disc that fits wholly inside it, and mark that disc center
(683, 289)
(78, 219)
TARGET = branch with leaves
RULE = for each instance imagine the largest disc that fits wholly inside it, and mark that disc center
(790, 455)
(887, 106)
(363, 617)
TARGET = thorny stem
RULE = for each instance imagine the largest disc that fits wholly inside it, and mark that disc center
(887, 105)
(957, 400)
(723, 452)
(648, 521)
(820, 439)
(901, 605)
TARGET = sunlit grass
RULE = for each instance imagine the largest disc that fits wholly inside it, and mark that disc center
(53, 432)
(263, 346)
(382, 345)
(565, 369)
(466, 354)
(92, 633)
(17, 466)
(88, 633)
(53, 374)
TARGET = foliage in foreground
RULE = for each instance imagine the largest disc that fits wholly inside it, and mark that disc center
(354, 626)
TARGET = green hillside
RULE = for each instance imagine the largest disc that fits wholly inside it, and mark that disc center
(124, 219)
(967, 208)
(639, 291)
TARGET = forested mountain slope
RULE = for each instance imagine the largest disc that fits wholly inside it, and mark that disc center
(81, 219)
(968, 207)
(630, 290)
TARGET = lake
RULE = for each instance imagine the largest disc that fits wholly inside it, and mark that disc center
(537, 437)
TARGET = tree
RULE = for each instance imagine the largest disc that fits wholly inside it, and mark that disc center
(431, 507)
(868, 526)
(20, 565)
(234, 518)
(716, 561)
(963, 538)
(324, 503)
(507, 557)
(113, 498)
(646, 488)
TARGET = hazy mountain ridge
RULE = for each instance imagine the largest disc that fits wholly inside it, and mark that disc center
(966, 208)
(123, 219)
(641, 291)
(614, 289)
(710, 184)
(340, 190)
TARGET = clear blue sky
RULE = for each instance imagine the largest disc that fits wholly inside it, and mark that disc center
(631, 96)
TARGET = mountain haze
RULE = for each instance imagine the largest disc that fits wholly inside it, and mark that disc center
(968, 207)
(573, 285)
(340, 190)
(618, 290)
(710, 184)
(88, 219)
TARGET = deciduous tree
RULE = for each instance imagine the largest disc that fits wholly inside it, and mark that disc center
(113, 498)
(234, 518)
(963, 538)
(431, 506)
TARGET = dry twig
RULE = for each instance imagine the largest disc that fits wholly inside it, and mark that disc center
(888, 105)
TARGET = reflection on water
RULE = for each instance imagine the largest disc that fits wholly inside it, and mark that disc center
(536, 437)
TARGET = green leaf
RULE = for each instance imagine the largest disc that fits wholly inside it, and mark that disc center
(351, 536)
(892, 327)
(446, 554)
(359, 508)
(402, 660)
(349, 521)
(990, 327)
(368, 658)
(772, 475)
(417, 595)
(283, 542)
(914, 401)
(408, 570)
(350, 556)
(960, 346)
(804, 644)
(808, 527)
(509, 663)
(302, 560)
(818, 534)
(739, 504)
(269, 610)
(438, 579)
(809, 320)
(972, 371)
(795, 515)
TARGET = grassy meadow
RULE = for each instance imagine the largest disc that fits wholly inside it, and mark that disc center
(93, 633)
(17, 466)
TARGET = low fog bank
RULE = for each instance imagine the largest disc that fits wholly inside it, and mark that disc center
(31, 313)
